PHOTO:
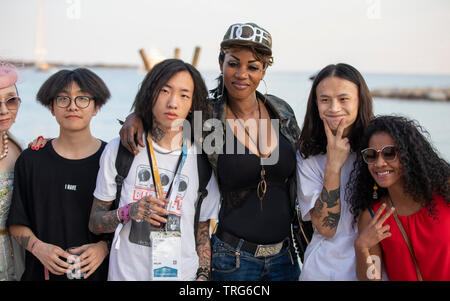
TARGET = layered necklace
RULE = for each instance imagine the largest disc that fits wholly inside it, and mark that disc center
(262, 184)
(5, 146)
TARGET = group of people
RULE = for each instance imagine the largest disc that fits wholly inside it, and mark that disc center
(373, 188)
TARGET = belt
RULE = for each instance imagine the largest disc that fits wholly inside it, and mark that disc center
(3, 232)
(252, 248)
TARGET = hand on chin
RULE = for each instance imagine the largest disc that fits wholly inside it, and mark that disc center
(333, 123)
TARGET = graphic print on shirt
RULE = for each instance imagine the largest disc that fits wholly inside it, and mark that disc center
(144, 186)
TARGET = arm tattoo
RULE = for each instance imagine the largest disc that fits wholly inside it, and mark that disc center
(23, 241)
(331, 220)
(318, 207)
(102, 220)
(134, 209)
(331, 198)
(203, 243)
(157, 131)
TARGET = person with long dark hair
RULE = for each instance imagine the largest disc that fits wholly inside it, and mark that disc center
(253, 165)
(339, 108)
(164, 169)
(399, 173)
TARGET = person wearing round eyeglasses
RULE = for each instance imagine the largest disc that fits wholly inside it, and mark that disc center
(9, 151)
(53, 187)
(400, 191)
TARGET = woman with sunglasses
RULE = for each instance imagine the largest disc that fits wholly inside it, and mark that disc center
(339, 108)
(398, 173)
(10, 150)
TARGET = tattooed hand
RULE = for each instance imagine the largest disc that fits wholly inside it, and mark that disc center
(150, 209)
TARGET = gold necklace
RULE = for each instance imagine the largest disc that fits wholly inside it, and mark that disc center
(261, 189)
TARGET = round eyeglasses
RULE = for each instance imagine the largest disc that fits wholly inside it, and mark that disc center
(12, 103)
(388, 153)
(81, 102)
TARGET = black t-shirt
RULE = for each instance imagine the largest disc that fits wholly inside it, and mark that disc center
(241, 213)
(53, 196)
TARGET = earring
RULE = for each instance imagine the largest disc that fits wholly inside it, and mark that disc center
(375, 194)
(223, 86)
(265, 85)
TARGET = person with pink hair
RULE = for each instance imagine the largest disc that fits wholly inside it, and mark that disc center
(9, 151)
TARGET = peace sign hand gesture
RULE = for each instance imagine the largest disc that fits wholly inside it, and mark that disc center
(338, 148)
(375, 232)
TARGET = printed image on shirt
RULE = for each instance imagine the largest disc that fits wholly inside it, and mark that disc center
(144, 186)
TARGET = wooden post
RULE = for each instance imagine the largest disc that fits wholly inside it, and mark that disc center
(145, 59)
(196, 55)
(177, 53)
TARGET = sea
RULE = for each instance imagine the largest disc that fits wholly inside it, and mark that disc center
(35, 120)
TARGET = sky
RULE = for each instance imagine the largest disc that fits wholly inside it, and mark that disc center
(378, 36)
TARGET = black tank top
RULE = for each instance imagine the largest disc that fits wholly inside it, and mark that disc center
(241, 213)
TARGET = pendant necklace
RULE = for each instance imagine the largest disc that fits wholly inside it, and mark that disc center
(262, 184)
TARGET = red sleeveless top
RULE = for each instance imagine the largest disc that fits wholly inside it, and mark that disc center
(430, 240)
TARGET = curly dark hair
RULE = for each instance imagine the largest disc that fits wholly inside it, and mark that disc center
(313, 140)
(425, 173)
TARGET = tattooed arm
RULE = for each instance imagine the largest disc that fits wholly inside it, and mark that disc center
(203, 243)
(327, 211)
(48, 254)
(23, 235)
(102, 220)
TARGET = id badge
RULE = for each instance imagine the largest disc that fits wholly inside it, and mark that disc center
(166, 255)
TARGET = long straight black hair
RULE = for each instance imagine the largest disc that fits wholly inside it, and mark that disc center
(313, 140)
(153, 82)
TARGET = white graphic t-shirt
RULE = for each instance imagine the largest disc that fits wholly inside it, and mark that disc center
(131, 252)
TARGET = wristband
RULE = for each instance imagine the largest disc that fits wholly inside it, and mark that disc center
(118, 216)
(205, 272)
(32, 246)
(124, 213)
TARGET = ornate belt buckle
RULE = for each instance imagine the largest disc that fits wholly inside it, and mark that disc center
(268, 250)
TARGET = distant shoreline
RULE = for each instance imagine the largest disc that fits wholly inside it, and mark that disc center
(426, 93)
(417, 93)
(57, 65)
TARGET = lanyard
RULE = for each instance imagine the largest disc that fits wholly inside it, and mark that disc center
(155, 171)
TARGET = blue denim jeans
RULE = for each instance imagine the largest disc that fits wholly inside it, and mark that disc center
(233, 264)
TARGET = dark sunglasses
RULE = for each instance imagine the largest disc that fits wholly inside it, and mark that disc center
(370, 155)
